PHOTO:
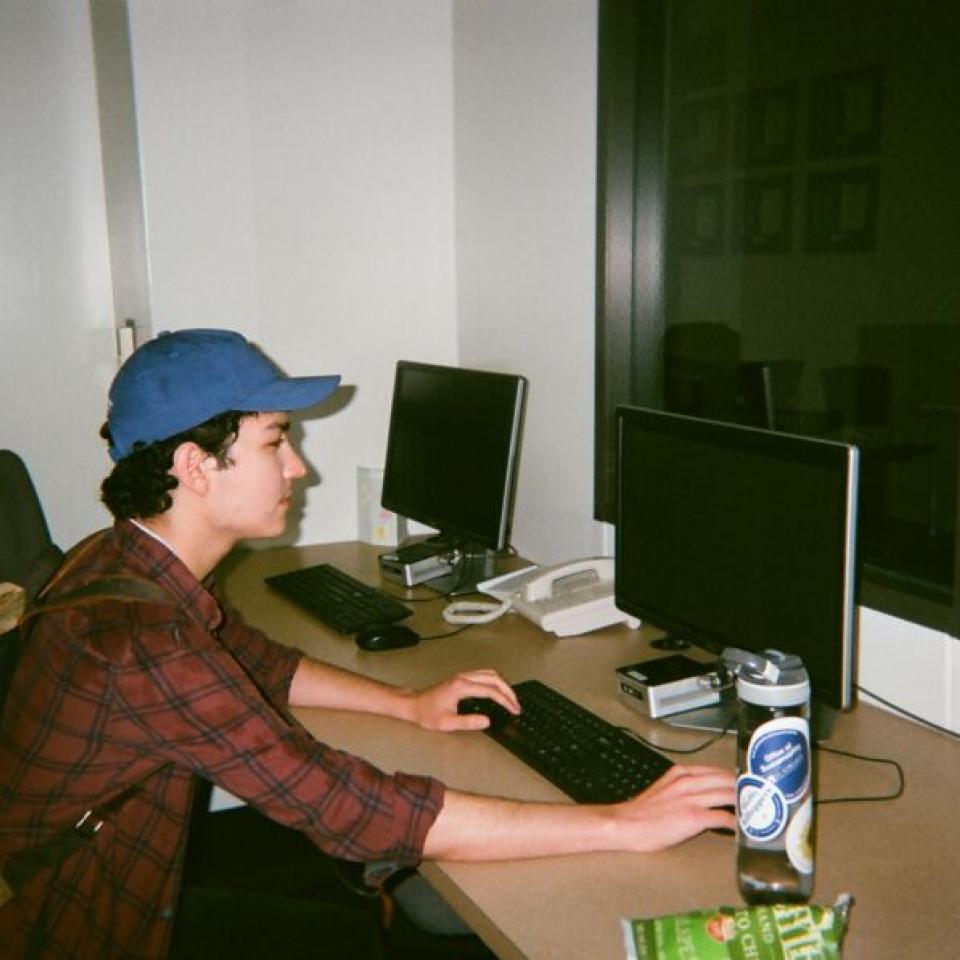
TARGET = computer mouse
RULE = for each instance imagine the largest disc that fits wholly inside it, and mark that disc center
(387, 636)
(499, 715)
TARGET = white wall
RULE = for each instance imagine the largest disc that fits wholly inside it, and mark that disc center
(525, 77)
(56, 316)
(910, 666)
(298, 175)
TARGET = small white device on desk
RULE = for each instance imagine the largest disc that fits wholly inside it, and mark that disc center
(416, 563)
(668, 685)
(566, 599)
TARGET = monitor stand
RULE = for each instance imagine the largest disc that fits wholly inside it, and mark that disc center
(671, 641)
(717, 718)
(475, 565)
(722, 718)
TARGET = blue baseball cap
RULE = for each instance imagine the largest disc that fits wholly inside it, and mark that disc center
(182, 379)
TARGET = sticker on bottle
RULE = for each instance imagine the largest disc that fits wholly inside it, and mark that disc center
(761, 808)
(779, 751)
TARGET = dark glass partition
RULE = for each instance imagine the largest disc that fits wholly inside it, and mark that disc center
(778, 241)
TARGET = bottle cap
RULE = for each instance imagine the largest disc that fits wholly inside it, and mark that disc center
(769, 679)
(764, 694)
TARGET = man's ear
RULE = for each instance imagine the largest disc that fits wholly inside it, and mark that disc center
(191, 466)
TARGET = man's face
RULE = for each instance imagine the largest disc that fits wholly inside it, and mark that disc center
(250, 496)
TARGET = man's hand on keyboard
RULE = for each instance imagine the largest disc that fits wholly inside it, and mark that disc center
(681, 804)
(685, 801)
(435, 708)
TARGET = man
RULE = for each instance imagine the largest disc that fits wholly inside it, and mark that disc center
(118, 705)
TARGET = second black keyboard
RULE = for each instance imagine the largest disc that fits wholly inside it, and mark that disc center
(589, 759)
(338, 599)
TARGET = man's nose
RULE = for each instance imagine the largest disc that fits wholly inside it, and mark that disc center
(294, 467)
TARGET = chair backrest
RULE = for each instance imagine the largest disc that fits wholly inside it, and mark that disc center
(28, 555)
(701, 369)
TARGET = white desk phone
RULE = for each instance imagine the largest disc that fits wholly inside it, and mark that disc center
(566, 599)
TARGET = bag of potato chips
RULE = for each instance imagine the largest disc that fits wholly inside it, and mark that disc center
(773, 932)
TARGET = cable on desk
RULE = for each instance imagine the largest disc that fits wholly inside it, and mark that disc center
(912, 716)
(702, 746)
(449, 633)
(856, 756)
(901, 779)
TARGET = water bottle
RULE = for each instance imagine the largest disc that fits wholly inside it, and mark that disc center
(775, 824)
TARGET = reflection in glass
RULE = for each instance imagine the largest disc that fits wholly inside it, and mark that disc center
(833, 307)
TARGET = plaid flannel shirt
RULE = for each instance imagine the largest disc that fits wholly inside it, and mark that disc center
(113, 694)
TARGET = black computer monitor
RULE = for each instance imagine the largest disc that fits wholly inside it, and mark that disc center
(452, 456)
(732, 536)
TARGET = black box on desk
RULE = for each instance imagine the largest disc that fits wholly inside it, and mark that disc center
(668, 685)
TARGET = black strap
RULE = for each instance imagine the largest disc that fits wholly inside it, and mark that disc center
(125, 588)
(25, 864)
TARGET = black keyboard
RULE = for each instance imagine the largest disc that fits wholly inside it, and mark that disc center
(586, 757)
(337, 599)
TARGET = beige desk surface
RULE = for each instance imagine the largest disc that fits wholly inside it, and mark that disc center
(900, 859)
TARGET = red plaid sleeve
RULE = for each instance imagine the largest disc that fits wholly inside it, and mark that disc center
(270, 665)
(179, 696)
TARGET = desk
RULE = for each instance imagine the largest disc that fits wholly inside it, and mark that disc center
(899, 859)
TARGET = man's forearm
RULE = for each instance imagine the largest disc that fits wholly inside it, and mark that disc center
(475, 828)
(317, 684)
(681, 804)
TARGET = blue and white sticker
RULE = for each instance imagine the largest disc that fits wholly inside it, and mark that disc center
(761, 808)
(779, 751)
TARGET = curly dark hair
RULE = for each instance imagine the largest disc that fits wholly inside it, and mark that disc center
(139, 485)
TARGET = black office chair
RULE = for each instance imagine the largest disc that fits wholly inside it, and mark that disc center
(701, 369)
(28, 555)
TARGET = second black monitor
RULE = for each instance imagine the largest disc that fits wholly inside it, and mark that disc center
(453, 450)
(730, 536)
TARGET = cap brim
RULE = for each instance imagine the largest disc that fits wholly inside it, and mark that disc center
(289, 393)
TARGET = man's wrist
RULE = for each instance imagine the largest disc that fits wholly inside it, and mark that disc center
(405, 703)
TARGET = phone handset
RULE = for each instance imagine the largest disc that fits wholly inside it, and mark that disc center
(568, 576)
(572, 598)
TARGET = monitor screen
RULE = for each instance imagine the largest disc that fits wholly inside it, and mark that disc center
(732, 536)
(452, 451)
